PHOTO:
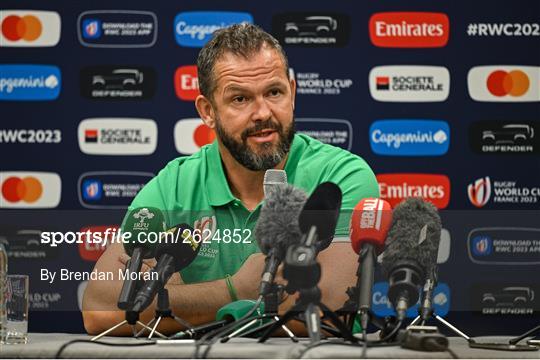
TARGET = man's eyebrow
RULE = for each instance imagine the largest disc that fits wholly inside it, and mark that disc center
(277, 83)
(237, 88)
(233, 88)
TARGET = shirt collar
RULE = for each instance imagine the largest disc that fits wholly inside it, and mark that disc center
(217, 187)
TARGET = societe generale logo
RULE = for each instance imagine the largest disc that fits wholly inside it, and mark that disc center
(186, 83)
(117, 136)
(192, 134)
(409, 29)
(479, 192)
(395, 188)
(29, 28)
(504, 83)
(409, 83)
(92, 250)
(31, 190)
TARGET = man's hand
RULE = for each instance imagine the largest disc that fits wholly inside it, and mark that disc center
(248, 279)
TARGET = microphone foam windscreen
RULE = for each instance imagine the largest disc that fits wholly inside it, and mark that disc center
(278, 220)
(322, 210)
(413, 236)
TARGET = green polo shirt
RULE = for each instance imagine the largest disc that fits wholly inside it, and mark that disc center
(194, 190)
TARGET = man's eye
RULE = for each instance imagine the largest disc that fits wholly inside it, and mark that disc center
(239, 99)
(275, 92)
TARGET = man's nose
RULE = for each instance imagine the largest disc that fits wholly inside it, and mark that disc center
(261, 111)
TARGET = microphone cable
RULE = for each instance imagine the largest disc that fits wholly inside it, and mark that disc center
(361, 343)
(212, 336)
(69, 343)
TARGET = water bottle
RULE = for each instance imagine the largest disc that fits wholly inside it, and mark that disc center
(3, 293)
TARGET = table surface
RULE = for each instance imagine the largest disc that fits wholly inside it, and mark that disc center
(46, 345)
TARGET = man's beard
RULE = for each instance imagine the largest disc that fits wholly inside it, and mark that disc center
(269, 157)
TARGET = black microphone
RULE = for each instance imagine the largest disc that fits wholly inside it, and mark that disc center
(411, 251)
(277, 228)
(177, 249)
(317, 222)
(322, 211)
(139, 223)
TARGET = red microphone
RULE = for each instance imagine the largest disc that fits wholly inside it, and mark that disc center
(370, 222)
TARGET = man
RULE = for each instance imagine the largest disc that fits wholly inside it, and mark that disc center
(248, 98)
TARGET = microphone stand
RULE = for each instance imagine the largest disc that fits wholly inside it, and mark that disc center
(271, 304)
(426, 309)
(349, 310)
(517, 339)
(132, 319)
(309, 300)
(163, 310)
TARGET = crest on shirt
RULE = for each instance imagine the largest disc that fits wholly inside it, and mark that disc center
(205, 224)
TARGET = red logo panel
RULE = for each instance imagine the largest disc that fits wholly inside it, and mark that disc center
(409, 29)
(90, 249)
(186, 82)
(431, 187)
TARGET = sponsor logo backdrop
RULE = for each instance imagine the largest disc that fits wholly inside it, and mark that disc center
(441, 99)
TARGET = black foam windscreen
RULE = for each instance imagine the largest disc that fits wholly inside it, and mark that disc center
(413, 236)
(322, 211)
(277, 225)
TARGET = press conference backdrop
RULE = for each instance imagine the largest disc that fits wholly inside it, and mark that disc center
(442, 99)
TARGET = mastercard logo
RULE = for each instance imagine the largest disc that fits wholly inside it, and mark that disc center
(504, 83)
(29, 28)
(513, 83)
(203, 135)
(29, 190)
(192, 134)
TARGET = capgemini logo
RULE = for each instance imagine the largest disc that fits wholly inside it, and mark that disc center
(479, 192)
(440, 137)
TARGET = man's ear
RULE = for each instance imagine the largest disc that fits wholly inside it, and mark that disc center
(206, 111)
(293, 90)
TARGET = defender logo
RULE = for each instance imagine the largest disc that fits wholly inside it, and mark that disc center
(311, 29)
(118, 82)
(499, 137)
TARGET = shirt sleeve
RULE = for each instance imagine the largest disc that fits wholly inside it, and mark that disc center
(157, 192)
